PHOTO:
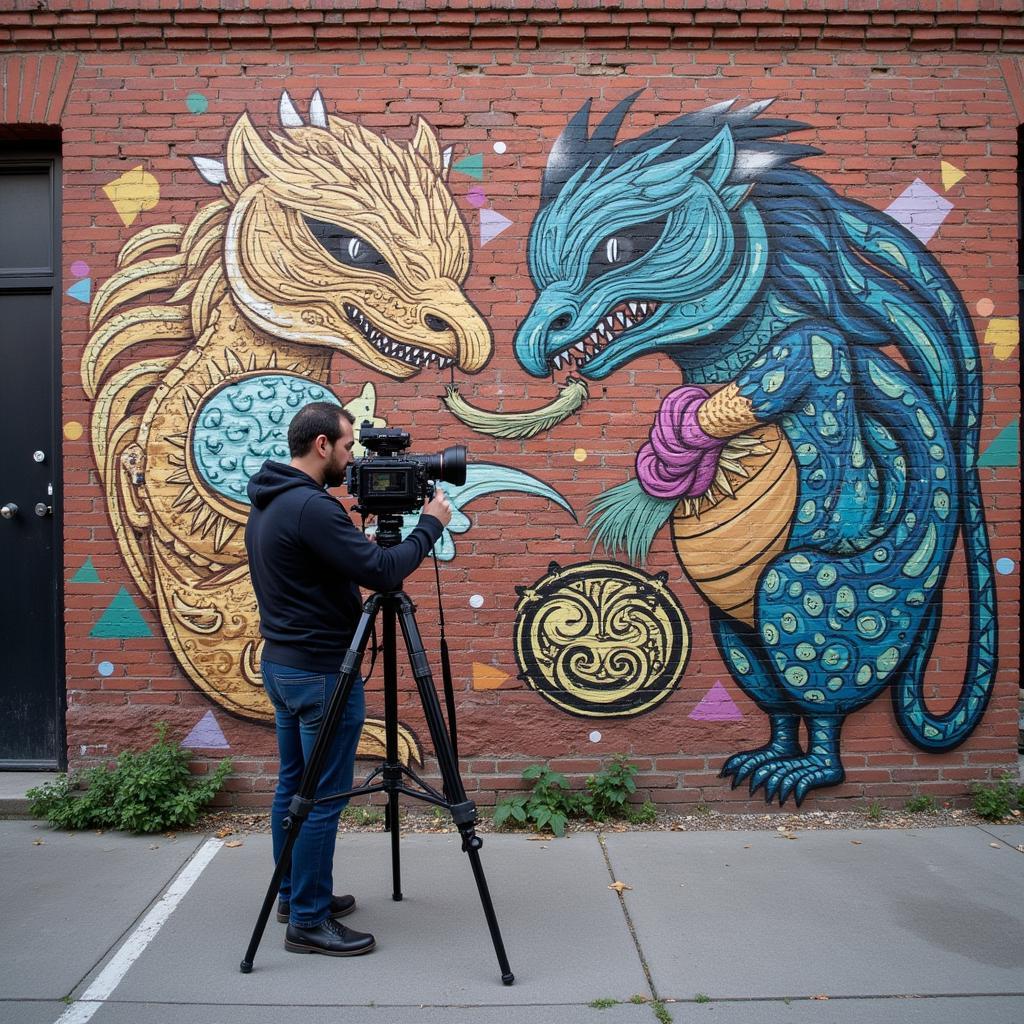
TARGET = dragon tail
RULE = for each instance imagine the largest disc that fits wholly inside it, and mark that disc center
(931, 326)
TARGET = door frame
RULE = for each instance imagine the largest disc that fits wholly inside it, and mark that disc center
(33, 156)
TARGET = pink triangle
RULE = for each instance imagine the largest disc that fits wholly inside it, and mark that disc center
(717, 706)
(491, 225)
(206, 735)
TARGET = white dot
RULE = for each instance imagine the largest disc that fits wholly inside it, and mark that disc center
(595, 737)
(500, 147)
(105, 668)
(476, 601)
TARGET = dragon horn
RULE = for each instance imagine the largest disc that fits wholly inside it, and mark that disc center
(212, 171)
(317, 112)
(289, 115)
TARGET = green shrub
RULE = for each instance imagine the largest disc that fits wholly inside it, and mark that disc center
(921, 804)
(550, 803)
(147, 792)
(608, 791)
(998, 801)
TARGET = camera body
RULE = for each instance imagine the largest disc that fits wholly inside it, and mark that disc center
(386, 482)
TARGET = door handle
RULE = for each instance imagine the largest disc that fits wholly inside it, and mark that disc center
(42, 509)
(9, 511)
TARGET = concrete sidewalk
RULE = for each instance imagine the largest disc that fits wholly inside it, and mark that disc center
(890, 925)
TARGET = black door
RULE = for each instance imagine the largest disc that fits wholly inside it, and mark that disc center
(31, 606)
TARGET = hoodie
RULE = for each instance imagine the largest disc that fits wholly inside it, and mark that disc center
(307, 560)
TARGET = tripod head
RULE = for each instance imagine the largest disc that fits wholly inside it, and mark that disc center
(389, 529)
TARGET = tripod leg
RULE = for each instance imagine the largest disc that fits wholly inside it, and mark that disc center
(392, 770)
(302, 802)
(463, 810)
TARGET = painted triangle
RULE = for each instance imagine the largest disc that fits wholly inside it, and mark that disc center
(472, 166)
(491, 225)
(717, 706)
(87, 574)
(1005, 449)
(121, 620)
(487, 677)
(81, 290)
(950, 175)
(206, 734)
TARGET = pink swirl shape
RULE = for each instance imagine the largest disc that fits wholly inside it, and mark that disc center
(680, 459)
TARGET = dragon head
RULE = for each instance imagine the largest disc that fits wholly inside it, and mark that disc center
(342, 239)
(652, 245)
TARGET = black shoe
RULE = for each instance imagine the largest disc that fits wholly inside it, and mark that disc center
(340, 906)
(329, 938)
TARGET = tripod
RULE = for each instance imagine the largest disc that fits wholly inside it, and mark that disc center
(395, 604)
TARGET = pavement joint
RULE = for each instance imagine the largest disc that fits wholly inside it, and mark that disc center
(629, 921)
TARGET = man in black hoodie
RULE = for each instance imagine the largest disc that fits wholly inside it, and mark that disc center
(307, 560)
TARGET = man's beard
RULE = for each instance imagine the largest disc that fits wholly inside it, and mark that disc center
(334, 475)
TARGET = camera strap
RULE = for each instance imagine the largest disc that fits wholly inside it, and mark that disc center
(446, 667)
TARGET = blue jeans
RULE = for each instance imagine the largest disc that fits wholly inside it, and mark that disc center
(300, 699)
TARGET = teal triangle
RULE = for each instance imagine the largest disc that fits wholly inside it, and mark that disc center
(81, 290)
(472, 165)
(121, 620)
(1005, 449)
(87, 574)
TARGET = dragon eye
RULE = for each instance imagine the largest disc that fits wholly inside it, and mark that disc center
(625, 246)
(347, 248)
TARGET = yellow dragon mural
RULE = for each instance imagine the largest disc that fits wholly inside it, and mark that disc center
(326, 238)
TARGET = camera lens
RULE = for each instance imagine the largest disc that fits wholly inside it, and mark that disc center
(449, 467)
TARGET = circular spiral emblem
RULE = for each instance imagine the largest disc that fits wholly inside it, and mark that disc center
(245, 422)
(601, 639)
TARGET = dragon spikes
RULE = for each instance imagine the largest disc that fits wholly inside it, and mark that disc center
(213, 172)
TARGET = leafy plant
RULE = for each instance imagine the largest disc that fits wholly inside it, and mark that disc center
(608, 791)
(364, 815)
(998, 801)
(602, 1004)
(700, 997)
(549, 804)
(874, 811)
(146, 792)
(921, 804)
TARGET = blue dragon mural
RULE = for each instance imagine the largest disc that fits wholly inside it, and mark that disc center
(823, 351)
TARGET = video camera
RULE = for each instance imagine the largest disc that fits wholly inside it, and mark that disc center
(388, 483)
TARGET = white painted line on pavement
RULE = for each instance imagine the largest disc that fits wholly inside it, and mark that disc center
(110, 977)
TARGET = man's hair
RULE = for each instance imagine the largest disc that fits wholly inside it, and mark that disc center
(313, 420)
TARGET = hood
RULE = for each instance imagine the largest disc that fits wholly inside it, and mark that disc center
(275, 478)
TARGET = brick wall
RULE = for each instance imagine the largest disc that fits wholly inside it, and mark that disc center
(890, 96)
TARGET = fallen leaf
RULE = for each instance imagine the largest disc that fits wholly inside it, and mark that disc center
(234, 843)
(170, 835)
(223, 833)
(746, 846)
(856, 842)
(995, 846)
(620, 886)
(1020, 849)
(38, 842)
(822, 996)
(537, 839)
(154, 846)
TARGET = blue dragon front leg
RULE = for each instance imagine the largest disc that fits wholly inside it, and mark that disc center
(743, 657)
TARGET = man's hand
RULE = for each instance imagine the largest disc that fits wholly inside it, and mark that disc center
(439, 508)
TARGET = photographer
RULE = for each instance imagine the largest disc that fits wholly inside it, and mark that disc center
(307, 560)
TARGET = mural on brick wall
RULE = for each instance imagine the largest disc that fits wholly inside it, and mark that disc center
(817, 464)
(328, 238)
